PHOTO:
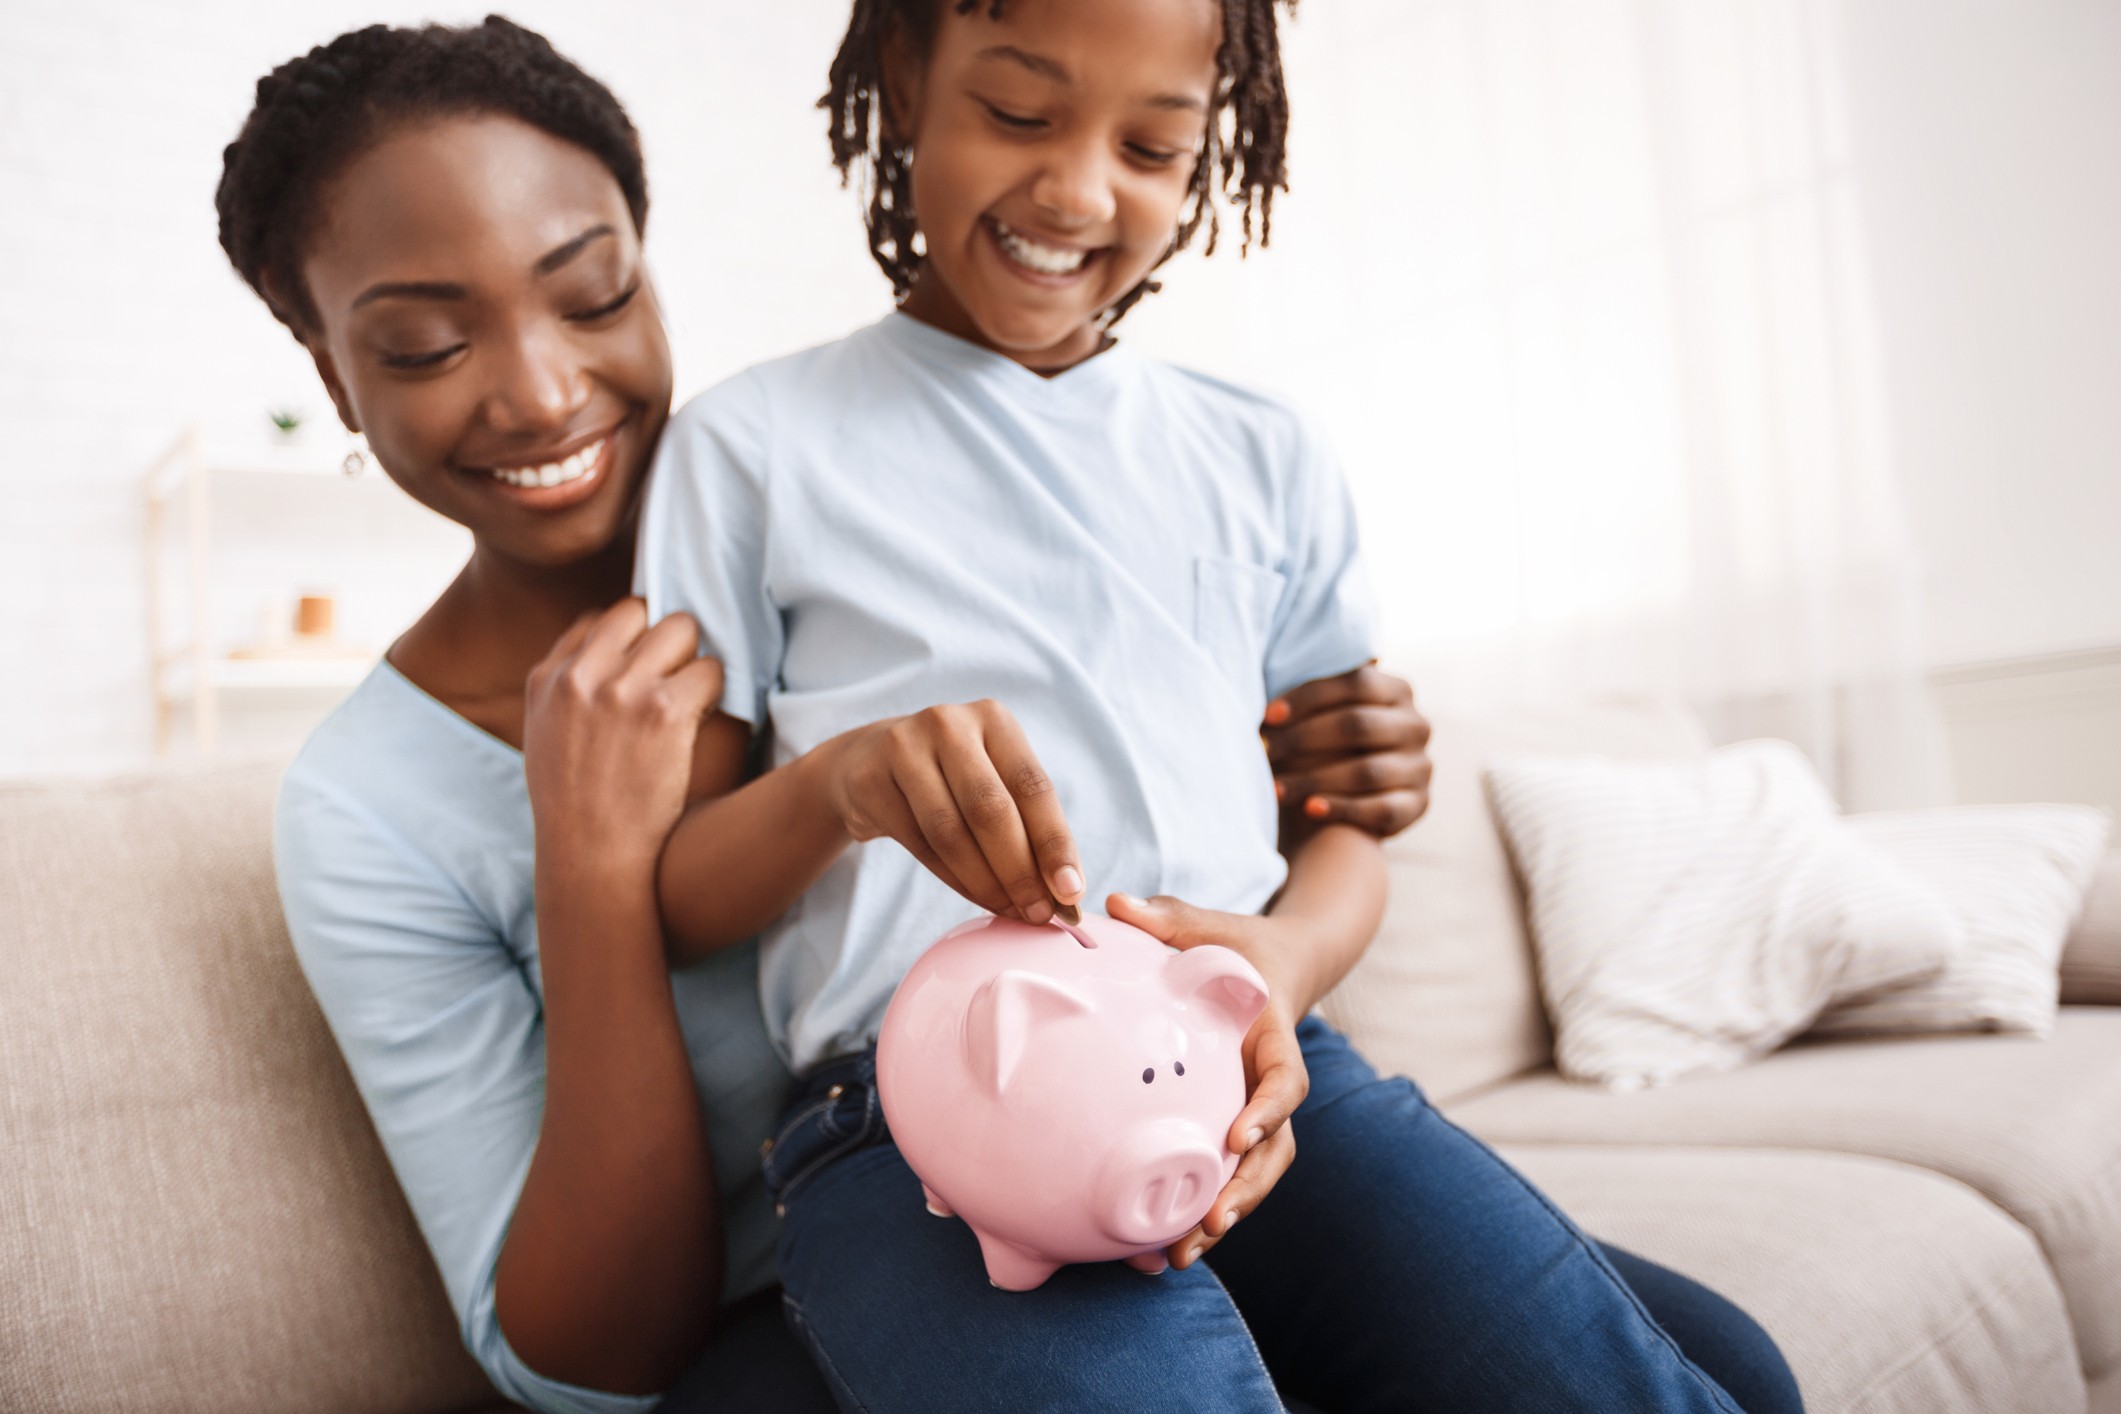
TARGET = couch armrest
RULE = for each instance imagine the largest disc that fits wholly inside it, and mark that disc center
(2091, 961)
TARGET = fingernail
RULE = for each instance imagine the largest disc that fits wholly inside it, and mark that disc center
(1068, 881)
(1130, 901)
(1229, 1220)
(1254, 1135)
(1317, 808)
(1277, 712)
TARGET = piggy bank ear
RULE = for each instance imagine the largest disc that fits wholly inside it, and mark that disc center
(1222, 980)
(1004, 1016)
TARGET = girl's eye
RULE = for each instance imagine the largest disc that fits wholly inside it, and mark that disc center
(421, 360)
(1015, 121)
(590, 316)
(1154, 156)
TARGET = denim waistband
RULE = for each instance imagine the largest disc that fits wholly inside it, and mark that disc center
(832, 1112)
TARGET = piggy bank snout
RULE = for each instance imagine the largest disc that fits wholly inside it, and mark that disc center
(1157, 1182)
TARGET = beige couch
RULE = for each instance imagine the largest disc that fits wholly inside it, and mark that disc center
(195, 1215)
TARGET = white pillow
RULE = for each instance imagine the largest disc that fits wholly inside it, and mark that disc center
(2016, 876)
(1691, 915)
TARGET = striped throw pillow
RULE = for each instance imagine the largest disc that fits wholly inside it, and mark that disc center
(1691, 915)
(2016, 877)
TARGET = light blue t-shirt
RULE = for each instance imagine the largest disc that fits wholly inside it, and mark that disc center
(403, 843)
(1131, 557)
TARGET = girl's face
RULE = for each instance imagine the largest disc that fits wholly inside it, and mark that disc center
(484, 317)
(1052, 153)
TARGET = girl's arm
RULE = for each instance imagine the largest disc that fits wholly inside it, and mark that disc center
(958, 786)
(613, 1261)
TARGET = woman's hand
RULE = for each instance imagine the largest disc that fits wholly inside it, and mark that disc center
(961, 789)
(1350, 748)
(1276, 1079)
(609, 721)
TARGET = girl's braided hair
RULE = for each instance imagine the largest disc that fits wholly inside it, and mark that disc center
(1245, 157)
(316, 113)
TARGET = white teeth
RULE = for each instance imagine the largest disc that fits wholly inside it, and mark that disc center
(552, 473)
(1046, 259)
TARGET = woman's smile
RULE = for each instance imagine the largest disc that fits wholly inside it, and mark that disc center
(550, 480)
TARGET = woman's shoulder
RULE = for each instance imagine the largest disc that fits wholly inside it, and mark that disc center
(394, 772)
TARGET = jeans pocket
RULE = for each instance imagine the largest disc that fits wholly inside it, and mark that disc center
(818, 1131)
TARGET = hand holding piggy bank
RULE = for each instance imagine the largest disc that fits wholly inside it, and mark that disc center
(1068, 1094)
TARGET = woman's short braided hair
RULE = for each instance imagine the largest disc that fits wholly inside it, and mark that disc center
(1245, 157)
(314, 114)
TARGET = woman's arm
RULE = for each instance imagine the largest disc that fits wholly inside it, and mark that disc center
(958, 786)
(613, 1260)
(1350, 749)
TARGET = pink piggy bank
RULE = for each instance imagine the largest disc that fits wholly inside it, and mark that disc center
(1069, 1099)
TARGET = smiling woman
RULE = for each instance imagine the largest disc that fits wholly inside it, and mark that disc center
(449, 220)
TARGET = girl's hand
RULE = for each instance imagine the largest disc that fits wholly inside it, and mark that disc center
(609, 721)
(961, 789)
(1276, 1079)
(1350, 748)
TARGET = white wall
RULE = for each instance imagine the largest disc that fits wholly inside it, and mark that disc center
(1987, 135)
(1989, 138)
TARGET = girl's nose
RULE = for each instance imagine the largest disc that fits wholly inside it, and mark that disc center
(539, 387)
(1074, 188)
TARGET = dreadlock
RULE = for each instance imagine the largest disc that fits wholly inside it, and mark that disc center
(1244, 158)
(314, 114)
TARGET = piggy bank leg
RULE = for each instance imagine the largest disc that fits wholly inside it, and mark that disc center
(1151, 1262)
(935, 1204)
(1011, 1268)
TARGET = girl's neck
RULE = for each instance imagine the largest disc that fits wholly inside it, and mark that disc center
(498, 618)
(931, 302)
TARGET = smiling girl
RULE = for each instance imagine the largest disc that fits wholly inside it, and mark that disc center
(450, 222)
(1011, 599)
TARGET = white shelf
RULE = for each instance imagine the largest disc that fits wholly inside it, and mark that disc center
(180, 488)
(268, 674)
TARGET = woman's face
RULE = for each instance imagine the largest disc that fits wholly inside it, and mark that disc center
(484, 317)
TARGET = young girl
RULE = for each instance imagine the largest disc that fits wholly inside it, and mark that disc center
(1112, 565)
(450, 222)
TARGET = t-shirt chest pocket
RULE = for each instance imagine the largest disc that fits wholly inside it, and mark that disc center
(1233, 613)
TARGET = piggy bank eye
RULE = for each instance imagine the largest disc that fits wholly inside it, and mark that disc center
(1178, 1067)
(1148, 1075)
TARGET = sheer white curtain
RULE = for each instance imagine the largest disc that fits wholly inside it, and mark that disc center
(1578, 287)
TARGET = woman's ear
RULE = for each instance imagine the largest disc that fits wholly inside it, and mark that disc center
(329, 372)
(312, 341)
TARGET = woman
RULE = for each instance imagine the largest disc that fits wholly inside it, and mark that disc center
(450, 222)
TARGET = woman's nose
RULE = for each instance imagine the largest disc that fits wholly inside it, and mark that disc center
(1074, 188)
(539, 387)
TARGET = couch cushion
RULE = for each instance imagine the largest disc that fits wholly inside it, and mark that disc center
(1694, 915)
(1888, 1288)
(2033, 1125)
(1447, 992)
(194, 1211)
(2091, 960)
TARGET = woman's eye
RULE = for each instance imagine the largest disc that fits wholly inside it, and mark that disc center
(602, 311)
(1154, 156)
(1016, 121)
(420, 360)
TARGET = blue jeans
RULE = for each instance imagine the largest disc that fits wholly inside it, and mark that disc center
(1399, 1265)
